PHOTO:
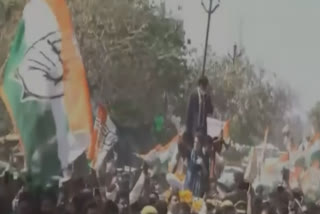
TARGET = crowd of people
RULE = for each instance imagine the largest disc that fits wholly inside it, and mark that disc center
(125, 194)
(141, 191)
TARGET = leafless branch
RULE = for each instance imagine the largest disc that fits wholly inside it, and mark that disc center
(204, 7)
(215, 8)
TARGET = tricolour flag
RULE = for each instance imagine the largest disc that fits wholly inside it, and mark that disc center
(161, 155)
(99, 135)
(45, 89)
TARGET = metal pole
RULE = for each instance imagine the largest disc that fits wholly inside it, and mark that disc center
(210, 11)
(207, 38)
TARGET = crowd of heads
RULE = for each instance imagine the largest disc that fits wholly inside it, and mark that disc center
(86, 200)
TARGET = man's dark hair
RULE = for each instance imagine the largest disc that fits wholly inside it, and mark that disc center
(110, 208)
(184, 207)
(153, 201)
(162, 207)
(203, 81)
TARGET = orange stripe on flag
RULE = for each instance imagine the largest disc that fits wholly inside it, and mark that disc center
(77, 99)
(160, 148)
(97, 131)
(167, 146)
(226, 130)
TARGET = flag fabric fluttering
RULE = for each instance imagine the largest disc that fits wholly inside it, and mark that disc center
(99, 135)
(251, 171)
(226, 130)
(108, 139)
(161, 155)
(45, 89)
(263, 153)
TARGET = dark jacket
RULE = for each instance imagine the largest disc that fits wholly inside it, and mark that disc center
(197, 113)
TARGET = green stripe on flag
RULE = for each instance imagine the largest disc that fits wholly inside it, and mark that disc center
(34, 118)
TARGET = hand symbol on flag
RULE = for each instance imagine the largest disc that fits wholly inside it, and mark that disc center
(41, 71)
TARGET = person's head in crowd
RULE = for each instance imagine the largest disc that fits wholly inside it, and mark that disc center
(149, 210)
(91, 207)
(153, 198)
(297, 194)
(123, 202)
(136, 207)
(212, 205)
(227, 207)
(48, 203)
(203, 83)
(183, 208)
(259, 191)
(267, 209)
(173, 201)
(78, 202)
(162, 207)
(25, 204)
(110, 208)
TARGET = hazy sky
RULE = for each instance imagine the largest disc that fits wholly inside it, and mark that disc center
(283, 36)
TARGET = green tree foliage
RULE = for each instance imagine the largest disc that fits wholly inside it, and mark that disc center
(134, 55)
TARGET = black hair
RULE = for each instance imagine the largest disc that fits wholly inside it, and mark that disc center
(110, 207)
(184, 207)
(162, 207)
(203, 81)
(153, 201)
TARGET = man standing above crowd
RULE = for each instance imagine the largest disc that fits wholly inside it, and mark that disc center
(199, 108)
